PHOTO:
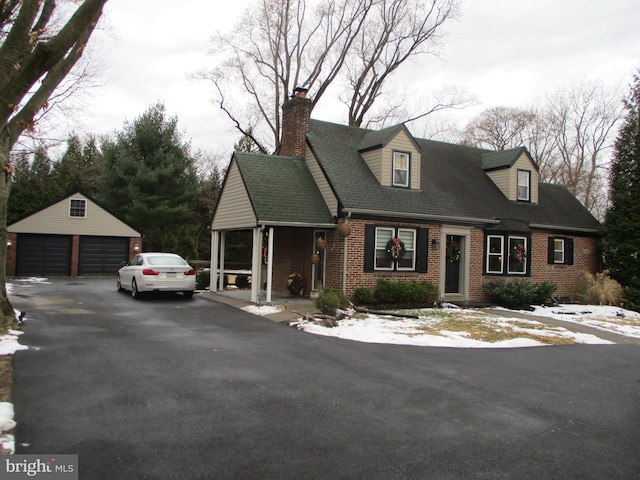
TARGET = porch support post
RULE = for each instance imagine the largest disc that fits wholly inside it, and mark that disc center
(222, 249)
(255, 264)
(269, 265)
(215, 240)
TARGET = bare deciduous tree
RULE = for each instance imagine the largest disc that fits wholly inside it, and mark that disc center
(283, 44)
(581, 120)
(40, 43)
(568, 135)
(395, 31)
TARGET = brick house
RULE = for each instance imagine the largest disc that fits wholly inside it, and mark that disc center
(345, 206)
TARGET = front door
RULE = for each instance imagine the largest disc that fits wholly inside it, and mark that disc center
(317, 274)
(452, 267)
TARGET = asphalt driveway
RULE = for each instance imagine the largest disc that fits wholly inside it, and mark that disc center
(188, 389)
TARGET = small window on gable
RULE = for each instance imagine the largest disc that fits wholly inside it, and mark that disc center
(524, 185)
(401, 161)
(77, 208)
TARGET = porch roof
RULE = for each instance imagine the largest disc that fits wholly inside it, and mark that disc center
(282, 190)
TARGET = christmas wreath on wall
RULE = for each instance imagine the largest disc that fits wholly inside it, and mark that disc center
(395, 249)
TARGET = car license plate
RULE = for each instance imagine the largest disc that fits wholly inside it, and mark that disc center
(171, 275)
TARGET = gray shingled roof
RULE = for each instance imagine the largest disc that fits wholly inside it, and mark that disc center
(282, 190)
(502, 158)
(453, 183)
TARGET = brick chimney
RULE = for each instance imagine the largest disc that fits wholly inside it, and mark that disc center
(296, 117)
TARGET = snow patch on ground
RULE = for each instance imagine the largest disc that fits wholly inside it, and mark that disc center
(602, 317)
(424, 330)
(263, 309)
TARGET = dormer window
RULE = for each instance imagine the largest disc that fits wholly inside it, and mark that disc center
(401, 162)
(524, 185)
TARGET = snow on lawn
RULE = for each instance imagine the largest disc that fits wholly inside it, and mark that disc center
(469, 328)
(606, 318)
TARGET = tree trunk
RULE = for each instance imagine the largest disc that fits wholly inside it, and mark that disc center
(7, 315)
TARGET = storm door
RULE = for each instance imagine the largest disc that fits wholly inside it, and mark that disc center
(319, 261)
(453, 263)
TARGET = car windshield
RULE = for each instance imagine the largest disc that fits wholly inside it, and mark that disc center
(163, 260)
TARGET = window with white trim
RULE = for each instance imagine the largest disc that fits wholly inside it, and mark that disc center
(524, 185)
(404, 240)
(401, 161)
(495, 253)
(77, 208)
(517, 260)
(558, 250)
(506, 255)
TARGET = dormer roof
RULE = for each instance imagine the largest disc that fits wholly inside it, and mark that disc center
(381, 138)
(505, 159)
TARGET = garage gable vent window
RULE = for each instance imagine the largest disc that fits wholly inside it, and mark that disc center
(77, 208)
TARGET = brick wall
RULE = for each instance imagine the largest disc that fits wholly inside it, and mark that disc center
(296, 119)
(293, 248)
(566, 277)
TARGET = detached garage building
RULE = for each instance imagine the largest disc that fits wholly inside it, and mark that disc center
(70, 237)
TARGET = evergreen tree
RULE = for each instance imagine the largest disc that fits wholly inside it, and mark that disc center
(32, 185)
(621, 242)
(78, 168)
(149, 179)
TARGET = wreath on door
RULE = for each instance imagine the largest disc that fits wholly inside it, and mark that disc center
(395, 249)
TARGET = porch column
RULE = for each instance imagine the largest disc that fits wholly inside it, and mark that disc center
(222, 249)
(269, 265)
(255, 264)
(215, 240)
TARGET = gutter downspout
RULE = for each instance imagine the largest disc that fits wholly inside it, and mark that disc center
(344, 257)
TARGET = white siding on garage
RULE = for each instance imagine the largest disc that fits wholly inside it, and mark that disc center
(234, 209)
(55, 220)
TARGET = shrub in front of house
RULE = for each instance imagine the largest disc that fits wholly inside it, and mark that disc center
(600, 289)
(520, 294)
(363, 296)
(331, 300)
(398, 292)
(203, 280)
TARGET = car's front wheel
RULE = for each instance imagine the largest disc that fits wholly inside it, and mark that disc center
(119, 284)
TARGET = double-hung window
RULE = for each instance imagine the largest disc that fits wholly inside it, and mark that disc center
(506, 255)
(524, 185)
(560, 251)
(395, 249)
(495, 253)
(77, 208)
(401, 161)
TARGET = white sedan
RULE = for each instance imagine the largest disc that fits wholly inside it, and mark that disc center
(157, 272)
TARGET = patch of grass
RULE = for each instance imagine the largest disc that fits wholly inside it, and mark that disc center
(477, 328)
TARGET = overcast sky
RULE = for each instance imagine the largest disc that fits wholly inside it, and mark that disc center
(505, 52)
